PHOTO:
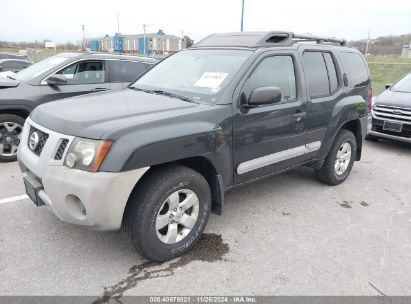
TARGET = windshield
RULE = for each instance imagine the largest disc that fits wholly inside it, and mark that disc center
(195, 74)
(41, 67)
(404, 85)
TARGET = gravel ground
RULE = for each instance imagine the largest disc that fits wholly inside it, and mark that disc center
(285, 235)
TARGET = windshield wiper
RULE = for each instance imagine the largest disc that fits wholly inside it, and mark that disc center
(172, 95)
(165, 93)
(8, 76)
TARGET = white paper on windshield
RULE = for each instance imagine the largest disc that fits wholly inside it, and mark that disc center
(211, 80)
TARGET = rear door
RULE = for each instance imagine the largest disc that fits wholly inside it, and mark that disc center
(83, 77)
(324, 88)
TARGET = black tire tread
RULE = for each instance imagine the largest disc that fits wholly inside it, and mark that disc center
(326, 173)
(141, 196)
(12, 118)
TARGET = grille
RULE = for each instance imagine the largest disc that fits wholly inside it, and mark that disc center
(392, 113)
(61, 149)
(377, 126)
(42, 140)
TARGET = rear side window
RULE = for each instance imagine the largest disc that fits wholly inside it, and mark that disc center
(115, 71)
(316, 74)
(131, 70)
(332, 73)
(355, 68)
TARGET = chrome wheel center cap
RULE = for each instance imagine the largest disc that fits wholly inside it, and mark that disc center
(177, 215)
(8, 139)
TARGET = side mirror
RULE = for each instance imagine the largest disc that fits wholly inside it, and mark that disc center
(56, 80)
(264, 96)
(388, 85)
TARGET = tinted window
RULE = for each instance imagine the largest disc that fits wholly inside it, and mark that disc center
(84, 72)
(276, 71)
(131, 70)
(355, 69)
(115, 71)
(332, 73)
(316, 74)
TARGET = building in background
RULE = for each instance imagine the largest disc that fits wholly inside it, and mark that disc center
(148, 44)
(406, 51)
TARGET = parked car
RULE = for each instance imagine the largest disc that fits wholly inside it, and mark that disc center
(14, 65)
(61, 76)
(391, 114)
(4, 55)
(159, 156)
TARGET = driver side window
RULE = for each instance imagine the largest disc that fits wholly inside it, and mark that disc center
(275, 71)
(84, 72)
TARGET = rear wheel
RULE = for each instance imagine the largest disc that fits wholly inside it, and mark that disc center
(11, 127)
(340, 160)
(167, 212)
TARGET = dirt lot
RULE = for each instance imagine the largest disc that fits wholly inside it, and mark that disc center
(286, 235)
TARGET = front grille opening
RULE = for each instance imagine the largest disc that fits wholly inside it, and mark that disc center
(61, 150)
(37, 147)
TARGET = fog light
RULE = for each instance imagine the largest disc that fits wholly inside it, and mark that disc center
(71, 160)
(76, 207)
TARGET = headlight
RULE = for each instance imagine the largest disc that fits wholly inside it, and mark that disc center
(87, 154)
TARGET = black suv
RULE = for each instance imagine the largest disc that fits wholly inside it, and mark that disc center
(158, 157)
(61, 76)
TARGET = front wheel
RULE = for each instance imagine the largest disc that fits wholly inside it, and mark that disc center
(167, 213)
(11, 127)
(340, 160)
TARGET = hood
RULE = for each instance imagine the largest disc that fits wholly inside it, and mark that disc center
(393, 98)
(8, 83)
(99, 115)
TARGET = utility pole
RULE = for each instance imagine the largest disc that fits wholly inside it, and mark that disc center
(242, 16)
(144, 38)
(368, 42)
(82, 27)
(118, 25)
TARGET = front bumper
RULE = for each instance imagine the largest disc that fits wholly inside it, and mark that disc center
(377, 130)
(389, 136)
(94, 200)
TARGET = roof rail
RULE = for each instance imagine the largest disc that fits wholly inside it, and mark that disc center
(318, 39)
(260, 39)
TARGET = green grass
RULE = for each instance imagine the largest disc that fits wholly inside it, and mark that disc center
(386, 69)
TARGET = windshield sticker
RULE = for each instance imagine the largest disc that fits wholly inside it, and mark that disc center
(211, 80)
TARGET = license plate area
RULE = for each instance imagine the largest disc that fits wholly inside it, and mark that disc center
(32, 189)
(392, 126)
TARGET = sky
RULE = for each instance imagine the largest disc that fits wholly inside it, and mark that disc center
(29, 20)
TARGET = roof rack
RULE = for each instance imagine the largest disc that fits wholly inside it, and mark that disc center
(259, 39)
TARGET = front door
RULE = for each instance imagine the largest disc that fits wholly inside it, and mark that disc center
(270, 138)
(83, 77)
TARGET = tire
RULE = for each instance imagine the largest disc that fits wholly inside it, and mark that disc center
(328, 173)
(152, 202)
(11, 127)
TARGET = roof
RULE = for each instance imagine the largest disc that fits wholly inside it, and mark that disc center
(263, 39)
(117, 56)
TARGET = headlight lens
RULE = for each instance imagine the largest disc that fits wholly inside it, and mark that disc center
(87, 154)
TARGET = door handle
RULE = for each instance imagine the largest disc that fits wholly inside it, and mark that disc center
(99, 89)
(299, 114)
